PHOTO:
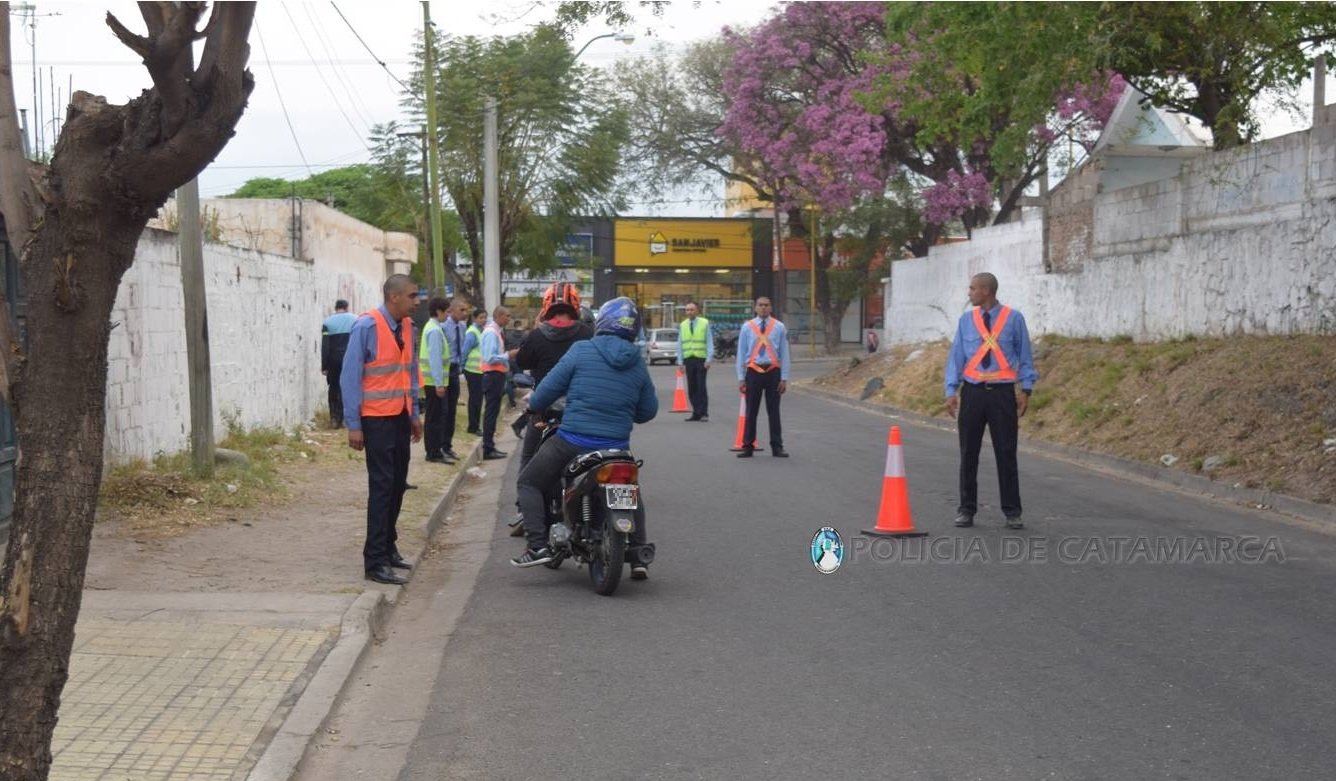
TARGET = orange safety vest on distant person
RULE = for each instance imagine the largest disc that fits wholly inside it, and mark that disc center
(501, 340)
(762, 341)
(387, 382)
(1003, 372)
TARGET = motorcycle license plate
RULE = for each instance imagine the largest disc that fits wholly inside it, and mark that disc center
(623, 497)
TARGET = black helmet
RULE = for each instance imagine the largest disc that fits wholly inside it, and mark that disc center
(618, 317)
(586, 315)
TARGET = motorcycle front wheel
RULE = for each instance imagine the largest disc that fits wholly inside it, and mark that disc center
(605, 569)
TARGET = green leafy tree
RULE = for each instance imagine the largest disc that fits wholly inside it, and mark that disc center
(559, 141)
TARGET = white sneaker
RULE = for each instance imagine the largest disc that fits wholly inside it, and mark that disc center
(639, 572)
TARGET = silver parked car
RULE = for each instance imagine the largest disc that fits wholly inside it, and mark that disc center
(660, 345)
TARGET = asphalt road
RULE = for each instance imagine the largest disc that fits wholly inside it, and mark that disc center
(1066, 651)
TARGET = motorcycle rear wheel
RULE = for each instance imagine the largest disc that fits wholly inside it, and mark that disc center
(605, 569)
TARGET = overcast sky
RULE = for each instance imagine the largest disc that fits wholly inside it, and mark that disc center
(332, 88)
(304, 52)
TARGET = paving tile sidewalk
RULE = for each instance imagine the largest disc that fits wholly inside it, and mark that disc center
(185, 686)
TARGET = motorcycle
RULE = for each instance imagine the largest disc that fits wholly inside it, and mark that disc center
(592, 514)
(726, 344)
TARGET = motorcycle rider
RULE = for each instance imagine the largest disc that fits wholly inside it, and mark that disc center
(607, 389)
(559, 327)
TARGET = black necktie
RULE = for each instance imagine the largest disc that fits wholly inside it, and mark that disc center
(988, 327)
(763, 357)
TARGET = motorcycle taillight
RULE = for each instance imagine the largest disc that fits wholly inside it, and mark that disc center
(618, 472)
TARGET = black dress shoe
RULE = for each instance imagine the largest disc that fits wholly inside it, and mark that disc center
(746, 453)
(409, 486)
(383, 574)
(691, 419)
(704, 418)
(436, 460)
(1015, 523)
(779, 452)
(398, 562)
(450, 453)
(492, 455)
(475, 432)
(964, 521)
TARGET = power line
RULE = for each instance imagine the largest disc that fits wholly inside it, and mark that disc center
(365, 46)
(281, 104)
(359, 107)
(321, 73)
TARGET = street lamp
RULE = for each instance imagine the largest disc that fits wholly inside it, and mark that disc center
(626, 38)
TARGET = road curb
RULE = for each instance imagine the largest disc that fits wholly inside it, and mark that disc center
(1253, 498)
(362, 622)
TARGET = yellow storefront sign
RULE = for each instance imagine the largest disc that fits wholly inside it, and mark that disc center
(683, 243)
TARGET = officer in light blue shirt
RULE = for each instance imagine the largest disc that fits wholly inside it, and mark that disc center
(989, 355)
(763, 372)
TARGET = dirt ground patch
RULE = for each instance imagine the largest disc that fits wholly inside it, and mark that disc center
(1256, 411)
(305, 536)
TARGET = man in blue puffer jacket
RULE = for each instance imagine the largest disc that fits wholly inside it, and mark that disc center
(607, 390)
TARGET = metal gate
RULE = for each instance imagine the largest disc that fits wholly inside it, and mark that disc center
(9, 450)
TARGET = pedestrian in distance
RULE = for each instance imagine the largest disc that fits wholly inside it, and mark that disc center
(495, 363)
(380, 406)
(763, 373)
(454, 326)
(472, 348)
(333, 345)
(989, 355)
(695, 354)
(434, 370)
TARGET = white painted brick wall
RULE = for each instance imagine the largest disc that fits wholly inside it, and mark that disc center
(265, 313)
(1239, 242)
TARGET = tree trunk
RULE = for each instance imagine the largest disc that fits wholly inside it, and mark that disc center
(62, 414)
(113, 168)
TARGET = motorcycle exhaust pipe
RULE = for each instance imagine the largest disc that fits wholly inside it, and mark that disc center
(642, 555)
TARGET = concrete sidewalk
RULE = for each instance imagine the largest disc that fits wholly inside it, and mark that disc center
(183, 686)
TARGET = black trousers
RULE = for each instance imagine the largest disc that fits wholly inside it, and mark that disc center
(335, 402)
(696, 391)
(387, 452)
(451, 411)
(763, 384)
(993, 406)
(533, 437)
(433, 424)
(542, 477)
(493, 388)
(474, 379)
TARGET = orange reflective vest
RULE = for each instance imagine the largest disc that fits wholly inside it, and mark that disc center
(762, 341)
(501, 340)
(387, 382)
(1001, 371)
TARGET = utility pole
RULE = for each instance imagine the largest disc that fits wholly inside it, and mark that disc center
(433, 160)
(491, 230)
(191, 247)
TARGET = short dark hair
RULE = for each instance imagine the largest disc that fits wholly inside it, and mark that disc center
(437, 304)
(340, 305)
(477, 312)
(398, 283)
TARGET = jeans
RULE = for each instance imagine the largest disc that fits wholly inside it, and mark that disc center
(542, 477)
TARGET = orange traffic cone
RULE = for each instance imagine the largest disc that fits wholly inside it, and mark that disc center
(680, 394)
(742, 425)
(893, 518)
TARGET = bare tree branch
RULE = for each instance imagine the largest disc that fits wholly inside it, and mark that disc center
(137, 43)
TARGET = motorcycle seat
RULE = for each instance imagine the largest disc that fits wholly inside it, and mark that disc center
(594, 458)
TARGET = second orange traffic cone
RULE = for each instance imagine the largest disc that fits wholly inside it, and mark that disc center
(742, 425)
(680, 394)
(893, 517)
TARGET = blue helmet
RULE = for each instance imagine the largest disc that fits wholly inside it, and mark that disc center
(618, 317)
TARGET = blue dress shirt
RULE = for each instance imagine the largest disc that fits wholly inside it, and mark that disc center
(1014, 341)
(779, 339)
(493, 348)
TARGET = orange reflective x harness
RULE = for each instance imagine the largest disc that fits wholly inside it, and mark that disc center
(762, 341)
(387, 381)
(501, 340)
(1003, 372)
